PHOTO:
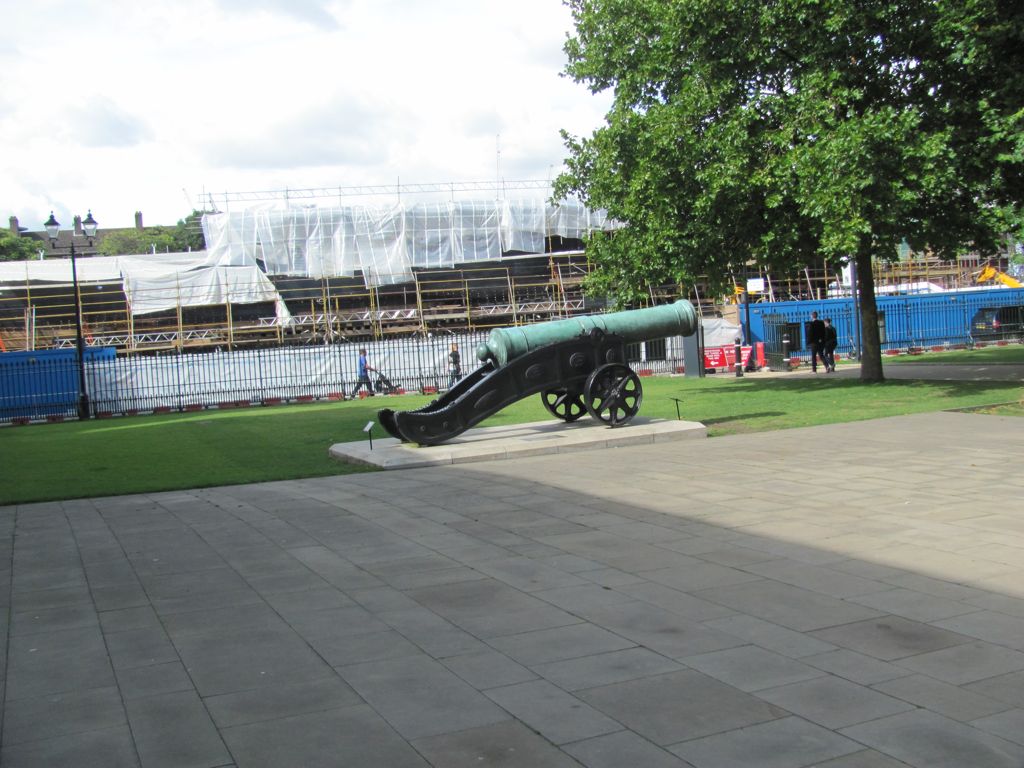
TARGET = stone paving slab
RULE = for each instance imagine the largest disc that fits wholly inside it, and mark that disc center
(687, 604)
(538, 438)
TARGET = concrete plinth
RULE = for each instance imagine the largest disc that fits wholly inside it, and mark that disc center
(534, 439)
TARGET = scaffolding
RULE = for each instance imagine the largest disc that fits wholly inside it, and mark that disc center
(297, 310)
(279, 271)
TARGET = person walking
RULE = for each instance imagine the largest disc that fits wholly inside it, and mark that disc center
(454, 366)
(829, 349)
(816, 341)
(364, 375)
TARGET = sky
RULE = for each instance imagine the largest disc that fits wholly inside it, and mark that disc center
(121, 106)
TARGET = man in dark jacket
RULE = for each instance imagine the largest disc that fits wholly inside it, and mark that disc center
(829, 350)
(816, 342)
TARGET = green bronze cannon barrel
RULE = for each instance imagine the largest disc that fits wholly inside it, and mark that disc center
(504, 344)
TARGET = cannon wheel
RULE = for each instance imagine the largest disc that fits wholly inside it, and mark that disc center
(563, 404)
(613, 394)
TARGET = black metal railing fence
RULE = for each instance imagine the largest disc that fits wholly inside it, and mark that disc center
(43, 385)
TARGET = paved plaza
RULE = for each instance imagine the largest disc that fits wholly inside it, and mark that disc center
(849, 596)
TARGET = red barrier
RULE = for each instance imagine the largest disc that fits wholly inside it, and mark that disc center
(725, 357)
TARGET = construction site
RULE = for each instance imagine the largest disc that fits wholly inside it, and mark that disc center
(299, 271)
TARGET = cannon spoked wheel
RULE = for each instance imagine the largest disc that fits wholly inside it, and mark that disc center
(613, 394)
(563, 404)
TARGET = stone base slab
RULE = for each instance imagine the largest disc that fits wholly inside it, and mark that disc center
(515, 441)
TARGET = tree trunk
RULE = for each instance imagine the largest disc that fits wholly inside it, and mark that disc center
(871, 358)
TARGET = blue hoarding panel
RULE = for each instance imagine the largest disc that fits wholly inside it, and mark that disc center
(904, 321)
(45, 382)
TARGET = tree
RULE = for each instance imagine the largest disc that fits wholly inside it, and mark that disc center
(186, 235)
(188, 232)
(124, 242)
(796, 130)
(15, 248)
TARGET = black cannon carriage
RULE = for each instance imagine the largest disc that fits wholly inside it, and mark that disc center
(577, 365)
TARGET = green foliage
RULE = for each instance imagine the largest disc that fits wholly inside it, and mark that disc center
(136, 241)
(13, 248)
(188, 232)
(786, 132)
(186, 235)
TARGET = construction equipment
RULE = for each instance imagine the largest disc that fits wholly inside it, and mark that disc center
(991, 273)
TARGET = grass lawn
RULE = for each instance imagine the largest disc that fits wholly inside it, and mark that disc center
(1012, 353)
(174, 451)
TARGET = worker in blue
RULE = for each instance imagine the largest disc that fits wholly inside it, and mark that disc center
(364, 374)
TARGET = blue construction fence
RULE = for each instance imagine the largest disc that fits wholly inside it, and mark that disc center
(905, 322)
(44, 383)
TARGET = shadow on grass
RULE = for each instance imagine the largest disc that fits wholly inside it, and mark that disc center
(843, 384)
(741, 417)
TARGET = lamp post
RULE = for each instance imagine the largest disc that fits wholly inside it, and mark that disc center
(53, 229)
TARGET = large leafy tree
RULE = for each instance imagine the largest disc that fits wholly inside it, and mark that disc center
(788, 131)
(16, 248)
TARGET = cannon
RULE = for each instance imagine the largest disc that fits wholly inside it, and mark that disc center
(577, 365)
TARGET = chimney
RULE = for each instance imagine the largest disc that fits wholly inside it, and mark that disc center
(14, 226)
(78, 226)
(138, 219)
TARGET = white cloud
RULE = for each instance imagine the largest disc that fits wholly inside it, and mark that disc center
(129, 106)
(102, 123)
(312, 12)
(336, 134)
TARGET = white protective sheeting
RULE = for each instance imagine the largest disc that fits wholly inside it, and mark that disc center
(160, 264)
(98, 269)
(156, 282)
(719, 332)
(573, 219)
(198, 287)
(380, 245)
(95, 269)
(525, 226)
(385, 242)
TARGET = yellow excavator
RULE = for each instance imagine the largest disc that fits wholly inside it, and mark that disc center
(991, 273)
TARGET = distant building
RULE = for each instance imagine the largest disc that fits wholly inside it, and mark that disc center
(67, 235)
